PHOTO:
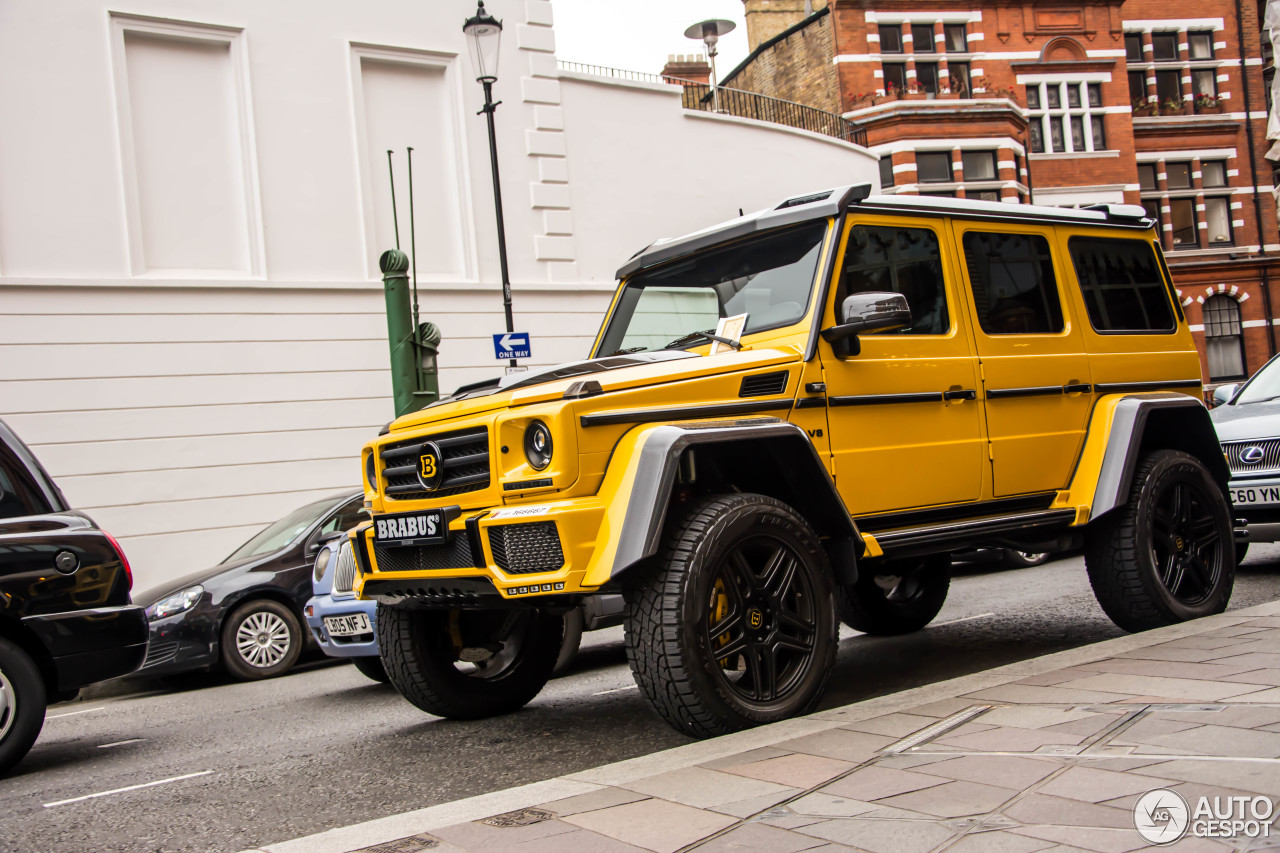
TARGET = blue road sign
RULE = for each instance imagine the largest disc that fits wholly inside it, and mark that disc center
(511, 345)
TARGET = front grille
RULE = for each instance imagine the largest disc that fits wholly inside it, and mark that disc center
(1269, 462)
(464, 459)
(455, 554)
(344, 576)
(522, 549)
(763, 384)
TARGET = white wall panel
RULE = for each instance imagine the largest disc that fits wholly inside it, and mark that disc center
(156, 558)
(184, 134)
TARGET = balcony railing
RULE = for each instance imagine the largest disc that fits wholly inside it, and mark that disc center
(736, 102)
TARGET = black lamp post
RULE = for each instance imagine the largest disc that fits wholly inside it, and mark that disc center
(483, 33)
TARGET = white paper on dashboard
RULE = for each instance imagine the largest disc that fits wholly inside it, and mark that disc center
(731, 328)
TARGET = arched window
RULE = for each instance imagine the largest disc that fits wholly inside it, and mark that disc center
(1224, 343)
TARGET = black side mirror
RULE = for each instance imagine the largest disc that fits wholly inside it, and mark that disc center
(867, 312)
(314, 546)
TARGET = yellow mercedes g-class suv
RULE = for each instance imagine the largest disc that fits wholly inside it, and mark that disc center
(790, 420)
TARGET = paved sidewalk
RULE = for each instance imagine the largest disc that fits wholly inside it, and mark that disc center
(1049, 754)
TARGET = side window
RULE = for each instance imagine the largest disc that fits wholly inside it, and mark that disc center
(1014, 288)
(19, 495)
(901, 260)
(346, 518)
(1122, 285)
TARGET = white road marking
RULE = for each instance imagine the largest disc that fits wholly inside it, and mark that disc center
(120, 743)
(617, 690)
(130, 788)
(73, 713)
(961, 619)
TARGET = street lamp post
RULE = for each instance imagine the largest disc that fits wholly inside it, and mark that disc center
(483, 33)
(709, 32)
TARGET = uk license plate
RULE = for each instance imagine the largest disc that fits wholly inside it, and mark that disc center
(427, 527)
(347, 626)
(1259, 495)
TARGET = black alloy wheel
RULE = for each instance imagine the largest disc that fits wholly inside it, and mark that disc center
(1167, 555)
(735, 624)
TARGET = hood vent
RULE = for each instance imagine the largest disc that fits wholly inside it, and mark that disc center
(763, 384)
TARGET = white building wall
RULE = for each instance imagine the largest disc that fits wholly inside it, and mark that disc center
(193, 196)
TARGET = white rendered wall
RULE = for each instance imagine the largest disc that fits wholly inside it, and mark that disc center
(193, 195)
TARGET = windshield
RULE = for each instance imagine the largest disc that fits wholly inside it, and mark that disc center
(282, 532)
(767, 278)
(1265, 385)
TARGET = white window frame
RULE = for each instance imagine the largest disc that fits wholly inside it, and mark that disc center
(1085, 113)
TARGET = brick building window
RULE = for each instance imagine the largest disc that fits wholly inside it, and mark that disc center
(959, 75)
(1190, 202)
(895, 76)
(979, 165)
(922, 39)
(1066, 118)
(891, 38)
(956, 39)
(927, 77)
(933, 167)
(1171, 71)
(1223, 338)
(1182, 215)
(886, 171)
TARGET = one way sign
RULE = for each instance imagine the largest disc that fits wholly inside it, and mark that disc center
(511, 345)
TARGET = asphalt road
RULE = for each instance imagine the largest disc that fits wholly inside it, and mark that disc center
(326, 747)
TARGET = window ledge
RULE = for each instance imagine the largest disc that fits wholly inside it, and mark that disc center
(1075, 155)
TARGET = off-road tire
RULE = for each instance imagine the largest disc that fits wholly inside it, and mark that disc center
(371, 667)
(272, 613)
(668, 617)
(867, 607)
(571, 642)
(22, 705)
(1121, 548)
(420, 656)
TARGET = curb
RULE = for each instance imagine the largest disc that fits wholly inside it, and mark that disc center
(382, 830)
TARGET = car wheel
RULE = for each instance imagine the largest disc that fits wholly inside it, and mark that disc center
(22, 704)
(896, 596)
(571, 642)
(371, 667)
(469, 664)
(1022, 559)
(261, 639)
(734, 626)
(1166, 555)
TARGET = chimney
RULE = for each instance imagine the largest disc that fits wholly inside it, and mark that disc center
(767, 18)
(693, 68)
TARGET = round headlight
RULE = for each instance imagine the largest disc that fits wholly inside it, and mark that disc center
(537, 445)
(322, 563)
(370, 474)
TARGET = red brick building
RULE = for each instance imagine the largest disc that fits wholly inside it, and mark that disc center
(1154, 102)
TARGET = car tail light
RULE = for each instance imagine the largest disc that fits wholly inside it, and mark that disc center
(124, 561)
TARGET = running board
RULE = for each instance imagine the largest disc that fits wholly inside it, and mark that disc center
(952, 536)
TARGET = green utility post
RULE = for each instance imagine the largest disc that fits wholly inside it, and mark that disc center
(427, 390)
(404, 357)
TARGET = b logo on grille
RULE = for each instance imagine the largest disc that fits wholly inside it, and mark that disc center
(1252, 455)
(429, 470)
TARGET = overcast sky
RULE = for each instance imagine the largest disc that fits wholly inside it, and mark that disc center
(637, 35)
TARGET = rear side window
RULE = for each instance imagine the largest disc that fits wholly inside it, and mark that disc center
(19, 494)
(901, 260)
(1123, 288)
(1014, 289)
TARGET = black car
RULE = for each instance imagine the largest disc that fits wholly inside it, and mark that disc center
(65, 615)
(245, 614)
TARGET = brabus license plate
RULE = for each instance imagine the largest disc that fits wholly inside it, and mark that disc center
(347, 626)
(1259, 495)
(427, 527)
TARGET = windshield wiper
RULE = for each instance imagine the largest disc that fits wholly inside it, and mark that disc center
(692, 337)
(627, 351)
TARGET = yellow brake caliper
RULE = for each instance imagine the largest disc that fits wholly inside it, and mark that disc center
(720, 609)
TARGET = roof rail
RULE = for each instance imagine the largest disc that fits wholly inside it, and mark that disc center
(1119, 212)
